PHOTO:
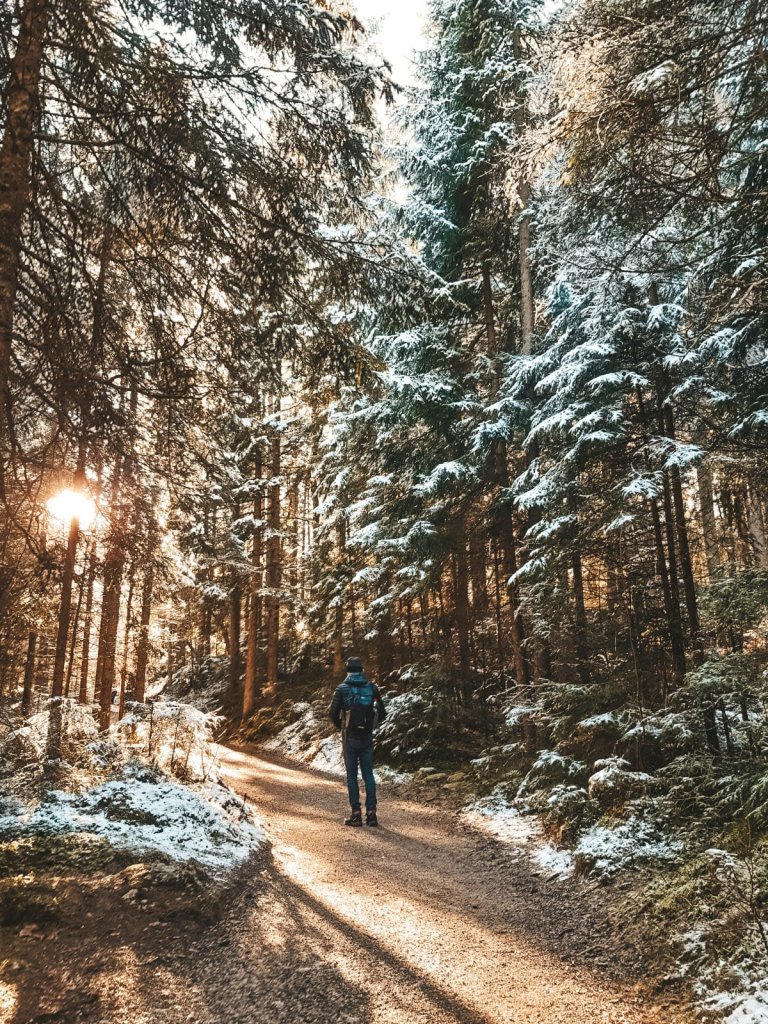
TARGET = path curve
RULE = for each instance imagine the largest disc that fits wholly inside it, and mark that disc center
(424, 920)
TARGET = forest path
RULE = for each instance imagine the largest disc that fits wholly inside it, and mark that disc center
(421, 920)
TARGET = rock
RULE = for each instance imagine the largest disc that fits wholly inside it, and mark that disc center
(614, 782)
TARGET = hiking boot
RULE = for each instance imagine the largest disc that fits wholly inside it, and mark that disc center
(371, 819)
(355, 820)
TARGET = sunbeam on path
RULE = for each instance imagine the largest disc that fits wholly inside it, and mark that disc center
(406, 913)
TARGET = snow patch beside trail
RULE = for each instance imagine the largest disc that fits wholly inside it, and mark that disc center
(120, 786)
(304, 740)
(498, 818)
(327, 757)
(741, 1008)
(206, 823)
(607, 848)
(602, 849)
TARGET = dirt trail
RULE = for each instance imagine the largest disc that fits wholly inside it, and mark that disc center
(424, 921)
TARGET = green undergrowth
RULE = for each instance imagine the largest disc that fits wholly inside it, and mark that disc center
(59, 853)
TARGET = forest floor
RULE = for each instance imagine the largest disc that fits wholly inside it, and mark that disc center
(423, 920)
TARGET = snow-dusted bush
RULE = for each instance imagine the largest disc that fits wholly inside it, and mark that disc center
(203, 685)
(421, 726)
(566, 811)
(176, 737)
(551, 769)
(74, 725)
(590, 738)
(570, 702)
(641, 745)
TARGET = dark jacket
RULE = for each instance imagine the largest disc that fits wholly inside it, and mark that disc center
(342, 698)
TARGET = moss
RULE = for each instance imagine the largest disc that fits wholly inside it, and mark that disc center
(58, 853)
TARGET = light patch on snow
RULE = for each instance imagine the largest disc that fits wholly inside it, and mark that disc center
(303, 740)
(493, 815)
(206, 823)
(595, 721)
(328, 758)
(614, 775)
(557, 863)
(515, 714)
(174, 736)
(391, 775)
(496, 817)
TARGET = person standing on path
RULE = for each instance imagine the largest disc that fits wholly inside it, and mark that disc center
(356, 709)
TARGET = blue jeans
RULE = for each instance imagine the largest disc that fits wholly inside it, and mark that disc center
(363, 756)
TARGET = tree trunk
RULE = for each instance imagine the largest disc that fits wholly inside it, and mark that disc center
(292, 558)
(273, 569)
(527, 307)
(85, 661)
(461, 608)
(683, 546)
(21, 110)
(581, 618)
(114, 563)
(708, 519)
(235, 625)
(338, 638)
(509, 568)
(29, 675)
(142, 644)
(235, 658)
(251, 685)
(338, 618)
(385, 660)
(757, 528)
(126, 641)
(671, 606)
(65, 602)
(479, 570)
(110, 619)
(506, 526)
(75, 625)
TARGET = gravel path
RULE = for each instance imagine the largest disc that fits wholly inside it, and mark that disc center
(418, 921)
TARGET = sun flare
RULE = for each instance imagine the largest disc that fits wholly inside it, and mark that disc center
(68, 505)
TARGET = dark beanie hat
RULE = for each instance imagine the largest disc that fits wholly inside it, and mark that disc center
(354, 665)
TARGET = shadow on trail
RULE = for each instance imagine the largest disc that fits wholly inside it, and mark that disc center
(255, 966)
(414, 981)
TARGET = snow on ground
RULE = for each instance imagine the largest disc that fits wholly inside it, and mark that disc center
(603, 848)
(609, 847)
(206, 822)
(745, 1007)
(496, 817)
(303, 740)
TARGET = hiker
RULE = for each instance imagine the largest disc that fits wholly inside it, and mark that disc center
(356, 709)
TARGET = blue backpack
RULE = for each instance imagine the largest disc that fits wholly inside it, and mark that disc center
(360, 711)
